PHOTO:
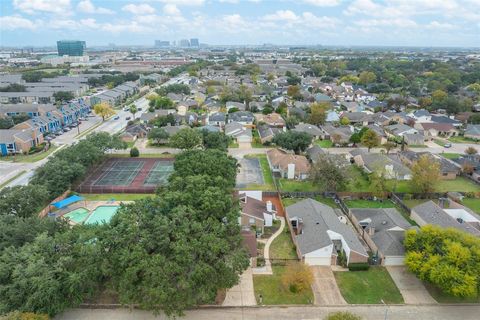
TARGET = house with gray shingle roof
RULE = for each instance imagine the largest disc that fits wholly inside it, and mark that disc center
(461, 219)
(320, 235)
(384, 231)
(472, 131)
(311, 129)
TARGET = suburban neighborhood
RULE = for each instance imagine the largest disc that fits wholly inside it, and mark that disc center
(266, 181)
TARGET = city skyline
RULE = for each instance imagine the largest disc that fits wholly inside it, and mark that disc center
(452, 23)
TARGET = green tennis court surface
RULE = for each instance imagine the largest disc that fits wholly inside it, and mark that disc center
(120, 173)
(159, 174)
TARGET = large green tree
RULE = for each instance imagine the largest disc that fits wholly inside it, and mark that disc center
(215, 140)
(293, 140)
(23, 201)
(327, 174)
(425, 174)
(186, 139)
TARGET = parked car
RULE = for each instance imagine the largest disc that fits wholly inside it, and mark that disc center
(139, 109)
(128, 118)
(116, 117)
(66, 129)
(448, 145)
(126, 109)
(58, 133)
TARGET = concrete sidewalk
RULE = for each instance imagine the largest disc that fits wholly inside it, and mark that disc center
(411, 288)
(241, 295)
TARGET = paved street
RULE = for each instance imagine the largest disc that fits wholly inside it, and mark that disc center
(436, 312)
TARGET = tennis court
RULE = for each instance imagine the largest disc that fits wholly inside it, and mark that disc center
(159, 173)
(127, 175)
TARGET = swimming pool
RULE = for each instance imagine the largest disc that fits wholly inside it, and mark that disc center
(77, 215)
(102, 215)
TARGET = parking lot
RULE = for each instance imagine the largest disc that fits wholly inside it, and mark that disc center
(250, 173)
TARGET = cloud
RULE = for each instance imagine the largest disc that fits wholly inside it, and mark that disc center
(281, 15)
(399, 22)
(139, 9)
(88, 7)
(171, 10)
(17, 22)
(184, 2)
(435, 25)
(323, 3)
(34, 6)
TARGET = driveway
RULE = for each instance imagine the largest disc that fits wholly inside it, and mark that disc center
(325, 287)
(242, 294)
(250, 173)
(412, 289)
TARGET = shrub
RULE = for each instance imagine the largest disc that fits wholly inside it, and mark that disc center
(342, 315)
(360, 266)
(297, 277)
(134, 152)
(17, 315)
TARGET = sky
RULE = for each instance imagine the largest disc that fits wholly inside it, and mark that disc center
(425, 23)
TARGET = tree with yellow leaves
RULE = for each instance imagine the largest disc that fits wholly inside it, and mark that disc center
(104, 110)
(297, 277)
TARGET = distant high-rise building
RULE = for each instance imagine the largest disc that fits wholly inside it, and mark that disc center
(184, 43)
(194, 42)
(71, 47)
(162, 44)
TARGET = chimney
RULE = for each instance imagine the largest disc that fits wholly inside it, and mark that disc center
(269, 206)
(371, 231)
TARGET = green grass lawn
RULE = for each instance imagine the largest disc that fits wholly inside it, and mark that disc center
(116, 196)
(328, 201)
(460, 139)
(282, 247)
(233, 144)
(368, 287)
(472, 203)
(268, 184)
(460, 184)
(324, 143)
(358, 180)
(273, 292)
(31, 157)
(442, 297)
(387, 203)
(296, 185)
(449, 155)
(439, 142)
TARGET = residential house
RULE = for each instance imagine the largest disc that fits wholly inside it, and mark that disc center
(399, 130)
(267, 133)
(146, 117)
(311, 129)
(338, 135)
(314, 152)
(461, 219)
(256, 212)
(238, 132)
(273, 120)
(358, 118)
(379, 131)
(384, 232)
(246, 118)
(238, 105)
(472, 131)
(448, 169)
(217, 119)
(390, 165)
(14, 141)
(321, 236)
(421, 115)
(414, 139)
(184, 106)
(133, 132)
(171, 130)
(288, 165)
(433, 129)
(249, 242)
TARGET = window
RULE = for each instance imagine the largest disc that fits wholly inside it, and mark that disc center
(251, 221)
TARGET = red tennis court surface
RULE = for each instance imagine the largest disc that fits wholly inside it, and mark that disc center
(127, 175)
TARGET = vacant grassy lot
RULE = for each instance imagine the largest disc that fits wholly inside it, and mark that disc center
(460, 184)
(364, 287)
(442, 297)
(460, 139)
(273, 292)
(449, 155)
(324, 143)
(282, 247)
(115, 196)
(472, 203)
(296, 186)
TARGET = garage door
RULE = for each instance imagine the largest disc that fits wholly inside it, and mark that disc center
(394, 261)
(318, 261)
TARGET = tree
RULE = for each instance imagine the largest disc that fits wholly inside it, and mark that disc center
(425, 174)
(439, 96)
(185, 139)
(370, 139)
(215, 140)
(293, 140)
(344, 121)
(294, 92)
(63, 96)
(355, 138)
(133, 110)
(318, 113)
(103, 109)
(425, 102)
(471, 151)
(389, 146)
(134, 153)
(327, 174)
(23, 201)
(446, 257)
(297, 277)
(163, 121)
(367, 77)
(379, 184)
(342, 315)
(158, 135)
(163, 103)
(6, 122)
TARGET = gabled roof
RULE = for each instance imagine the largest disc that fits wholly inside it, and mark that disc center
(308, 128)
(317, 219)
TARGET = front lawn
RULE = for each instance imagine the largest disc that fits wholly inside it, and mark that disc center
(472, 203)
(450, 155)
(461, 139)
(29, 158)
(324, 143)
(273, 292)
(282, 247)
(358, 180)
(115, 196)
(442, 297)
(368, 287)
(387, 203)
(296, 185)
